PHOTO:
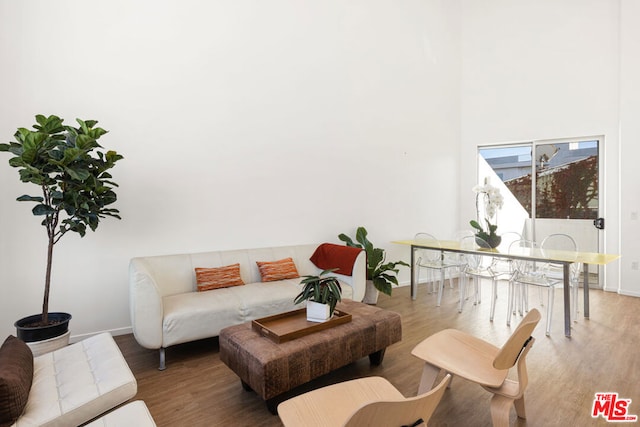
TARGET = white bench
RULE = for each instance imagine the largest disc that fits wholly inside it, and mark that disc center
(132, 414)
(77, 383)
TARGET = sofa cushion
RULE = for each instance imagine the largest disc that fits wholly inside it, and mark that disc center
(271, 271)
(195, 315)
(218, 277)
(16, 376)
(260, 300)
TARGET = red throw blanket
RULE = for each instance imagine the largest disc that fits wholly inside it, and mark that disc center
(328, 256)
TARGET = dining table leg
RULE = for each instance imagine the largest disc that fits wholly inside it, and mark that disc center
(567, 301)
(585, 285)
(413, 274)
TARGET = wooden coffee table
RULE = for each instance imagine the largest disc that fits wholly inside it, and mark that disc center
(271, 369)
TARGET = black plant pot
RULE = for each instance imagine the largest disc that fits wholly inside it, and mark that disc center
(58, 325)
(492, 243)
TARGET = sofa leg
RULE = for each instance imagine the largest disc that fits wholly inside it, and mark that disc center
(162, 366)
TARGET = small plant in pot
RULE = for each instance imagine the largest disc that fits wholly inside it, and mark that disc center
(380, 274)
(70, 170)
(322, 293)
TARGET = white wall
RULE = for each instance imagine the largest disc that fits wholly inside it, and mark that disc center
(243, 124)
(541, 70)
(630, 149)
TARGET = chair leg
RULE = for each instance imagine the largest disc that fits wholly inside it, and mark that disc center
(440, 288)
(519, 404)
(451, 280)
(430, 286)
(550, 310)
(462, 285)
(500, 408)
(510, 302)
(494, 295)
(163, 365)
(428, 378)
(521, 306)
(540, 295)
(576, 292)
(523, 300)
(434, 282)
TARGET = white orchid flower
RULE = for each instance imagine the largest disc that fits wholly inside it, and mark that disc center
(492, 201)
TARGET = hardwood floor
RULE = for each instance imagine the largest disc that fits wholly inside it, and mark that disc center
(197, 389)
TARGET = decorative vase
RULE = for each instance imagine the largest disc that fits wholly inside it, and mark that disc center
(317, 312)
(370, 294)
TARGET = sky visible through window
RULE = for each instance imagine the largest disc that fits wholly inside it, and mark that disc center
(524, 152)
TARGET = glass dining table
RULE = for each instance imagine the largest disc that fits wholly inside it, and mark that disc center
(565, 258)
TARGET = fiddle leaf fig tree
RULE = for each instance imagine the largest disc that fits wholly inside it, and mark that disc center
(70, 170)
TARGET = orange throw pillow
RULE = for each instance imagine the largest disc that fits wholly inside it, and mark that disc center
(277, 270)
(218, 277)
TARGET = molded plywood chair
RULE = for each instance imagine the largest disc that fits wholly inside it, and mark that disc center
(458, 353)
(369, 401)
(433, 261)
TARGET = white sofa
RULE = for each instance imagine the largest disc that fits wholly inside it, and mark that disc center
(77, 383)
(166, 309)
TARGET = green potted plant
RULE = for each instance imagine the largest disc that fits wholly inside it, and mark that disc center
(70, 170)
(321, 293)
(380, 274)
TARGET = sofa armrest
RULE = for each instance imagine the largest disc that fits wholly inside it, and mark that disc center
(358, 278)
(145, 305)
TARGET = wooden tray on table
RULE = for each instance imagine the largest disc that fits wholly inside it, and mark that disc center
(288, 326)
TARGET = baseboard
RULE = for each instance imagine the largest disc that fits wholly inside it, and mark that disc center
(630, 294)
(113, 332)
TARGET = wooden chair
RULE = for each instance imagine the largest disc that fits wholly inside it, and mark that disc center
(458, 353)
(369, 401)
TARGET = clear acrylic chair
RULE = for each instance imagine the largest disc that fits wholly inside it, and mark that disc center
(478, 267)
(433, 260)
(456, 258)
(473, 270)
(503, 267)
(564, 242)
(542, 274)
(519, 269)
